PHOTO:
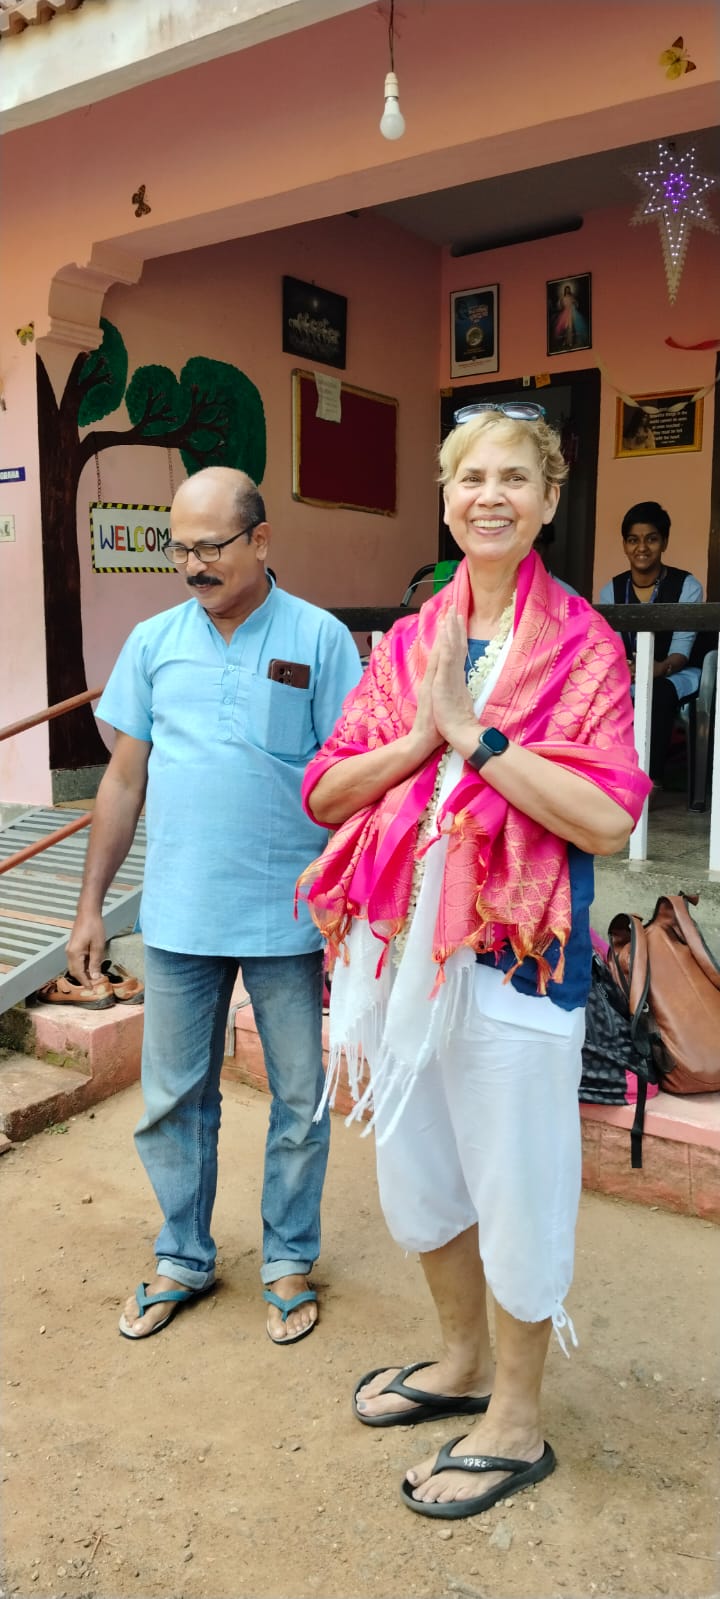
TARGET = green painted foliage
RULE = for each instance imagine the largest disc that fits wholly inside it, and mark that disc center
(212, 413)
(107, 368)
(226, 419)
(156, 399)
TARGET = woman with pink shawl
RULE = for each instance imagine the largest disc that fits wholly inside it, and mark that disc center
(486, 756)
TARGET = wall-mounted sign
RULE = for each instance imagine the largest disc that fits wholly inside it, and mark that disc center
(12, 474)
(129, 538)
(314, 325)
(662, 423)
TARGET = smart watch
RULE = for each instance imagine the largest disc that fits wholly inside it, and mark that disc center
(492, 742)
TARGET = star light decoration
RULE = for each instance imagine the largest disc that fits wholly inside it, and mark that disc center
(675, 197)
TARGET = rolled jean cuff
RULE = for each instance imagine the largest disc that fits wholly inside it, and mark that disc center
(273, 1269)
(185, 1275)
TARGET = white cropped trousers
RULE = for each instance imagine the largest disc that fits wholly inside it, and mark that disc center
(490, 1135)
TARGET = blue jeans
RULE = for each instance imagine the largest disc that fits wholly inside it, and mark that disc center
(187, 998)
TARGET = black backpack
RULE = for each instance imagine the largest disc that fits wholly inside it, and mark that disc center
(617, 1042)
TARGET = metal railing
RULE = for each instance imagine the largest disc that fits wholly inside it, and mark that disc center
(48, 715)
(645, 621)
(50, 712)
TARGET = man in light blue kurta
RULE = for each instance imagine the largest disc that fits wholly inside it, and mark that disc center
(215, 740)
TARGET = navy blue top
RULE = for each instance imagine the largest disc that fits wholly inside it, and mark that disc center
(574, 989)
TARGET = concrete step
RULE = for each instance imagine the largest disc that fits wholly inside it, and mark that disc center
(35, 1095)
(60, 1059)
(680, 1149)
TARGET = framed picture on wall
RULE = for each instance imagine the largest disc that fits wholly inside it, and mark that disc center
(661, 424)
(314, 323)
(569, 314)
(474, 331)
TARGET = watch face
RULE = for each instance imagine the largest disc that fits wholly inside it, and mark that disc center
(494, 740)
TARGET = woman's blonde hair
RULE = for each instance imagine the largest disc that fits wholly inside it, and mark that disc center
(545, 441)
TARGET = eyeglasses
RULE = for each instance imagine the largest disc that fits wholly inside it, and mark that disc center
(178, 553)
(517, 410)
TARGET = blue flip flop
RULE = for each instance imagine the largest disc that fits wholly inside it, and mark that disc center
(285, 1306)
(175, 1297)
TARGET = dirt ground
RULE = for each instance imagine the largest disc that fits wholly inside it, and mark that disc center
(207, 1464)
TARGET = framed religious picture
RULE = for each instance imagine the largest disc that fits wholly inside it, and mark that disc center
(569, 318)
(663, 424)
(314, 323)
(474, 332)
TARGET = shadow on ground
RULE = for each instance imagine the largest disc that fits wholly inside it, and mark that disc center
(206, 1464)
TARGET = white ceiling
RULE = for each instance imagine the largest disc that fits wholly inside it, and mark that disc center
(481, 216)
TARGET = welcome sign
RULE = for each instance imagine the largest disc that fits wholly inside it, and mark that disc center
(129, 538)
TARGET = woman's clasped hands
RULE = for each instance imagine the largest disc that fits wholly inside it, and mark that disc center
(444, 710)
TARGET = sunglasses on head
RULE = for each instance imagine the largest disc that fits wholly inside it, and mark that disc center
(517, 410)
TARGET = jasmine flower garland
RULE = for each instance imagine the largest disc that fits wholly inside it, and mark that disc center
(476, 677)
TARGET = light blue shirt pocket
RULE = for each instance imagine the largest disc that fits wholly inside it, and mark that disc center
(279, 719)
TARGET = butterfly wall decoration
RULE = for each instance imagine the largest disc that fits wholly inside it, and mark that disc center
(142, 209)
(26, 334)
(676, 60)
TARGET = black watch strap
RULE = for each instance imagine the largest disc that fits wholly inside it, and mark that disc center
(492, 742)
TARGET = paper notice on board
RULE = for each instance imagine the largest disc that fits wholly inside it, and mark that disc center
(328, 393)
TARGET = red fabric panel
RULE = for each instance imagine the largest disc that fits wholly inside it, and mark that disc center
(352, 462)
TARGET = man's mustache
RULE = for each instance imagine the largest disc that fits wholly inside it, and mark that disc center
(203, 582)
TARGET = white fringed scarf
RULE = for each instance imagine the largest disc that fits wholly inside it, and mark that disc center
(393, 1019)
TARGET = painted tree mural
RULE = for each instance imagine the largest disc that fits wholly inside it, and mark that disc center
(211, 413)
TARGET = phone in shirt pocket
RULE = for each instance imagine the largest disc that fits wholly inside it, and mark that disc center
(294, 674)
(280, 711)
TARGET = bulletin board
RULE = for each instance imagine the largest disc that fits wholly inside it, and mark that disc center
(350, 465)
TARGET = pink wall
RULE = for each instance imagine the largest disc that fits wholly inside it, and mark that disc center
(23, 679)
(225, 301)
(288, 130)
(287, 133)
(631, 318)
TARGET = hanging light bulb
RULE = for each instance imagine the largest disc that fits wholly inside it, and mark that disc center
(392, 121)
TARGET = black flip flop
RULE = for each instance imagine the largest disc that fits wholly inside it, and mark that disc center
(428, 1407)
(521, 1474)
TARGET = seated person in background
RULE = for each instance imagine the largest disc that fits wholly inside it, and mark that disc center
(645, 534)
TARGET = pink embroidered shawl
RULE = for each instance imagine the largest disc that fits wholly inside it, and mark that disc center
(564, 693)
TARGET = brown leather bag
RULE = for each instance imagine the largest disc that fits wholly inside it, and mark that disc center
(667, 958)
